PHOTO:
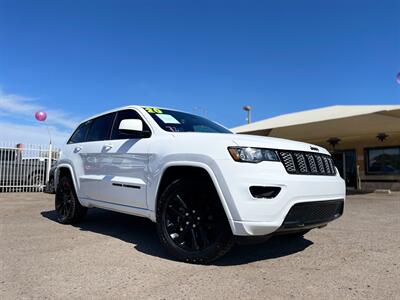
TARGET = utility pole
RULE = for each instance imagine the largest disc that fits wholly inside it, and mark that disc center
(247, 108)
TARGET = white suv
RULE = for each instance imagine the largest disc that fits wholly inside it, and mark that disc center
(201, 184)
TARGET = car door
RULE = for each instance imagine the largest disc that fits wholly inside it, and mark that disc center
(89, 160)
(124, 159)
(72, 153)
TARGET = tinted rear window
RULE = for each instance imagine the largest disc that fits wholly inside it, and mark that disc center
(79, 134)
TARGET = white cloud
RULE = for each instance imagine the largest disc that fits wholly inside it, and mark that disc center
(17, 123)
(17, 105)
(31, 134)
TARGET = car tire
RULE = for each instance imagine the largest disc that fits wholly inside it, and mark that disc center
(67, 205)
(191, 222)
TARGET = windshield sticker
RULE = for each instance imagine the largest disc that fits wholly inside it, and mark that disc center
(167, 119)
(153, 110)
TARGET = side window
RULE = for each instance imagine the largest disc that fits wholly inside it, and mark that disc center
(100, 128)
(79, 134)
(127, 114)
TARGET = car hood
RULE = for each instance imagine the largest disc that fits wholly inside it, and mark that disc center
(252, 141)
(275, 143)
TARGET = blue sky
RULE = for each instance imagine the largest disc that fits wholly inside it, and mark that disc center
(78, 58)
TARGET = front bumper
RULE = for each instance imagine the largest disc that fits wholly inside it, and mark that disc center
(262, 216)
(308, 215)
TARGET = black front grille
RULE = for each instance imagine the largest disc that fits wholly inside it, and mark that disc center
(312, 213)
(307, 163)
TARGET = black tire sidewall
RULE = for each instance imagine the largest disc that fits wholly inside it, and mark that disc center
(76, 210)
(218, 248)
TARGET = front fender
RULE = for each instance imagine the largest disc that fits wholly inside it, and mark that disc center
(199, 161)
(73, 177)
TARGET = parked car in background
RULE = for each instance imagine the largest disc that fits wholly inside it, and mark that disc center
(19, 173)
(204, 186)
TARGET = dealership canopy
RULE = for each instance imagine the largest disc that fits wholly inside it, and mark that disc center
(345, 121)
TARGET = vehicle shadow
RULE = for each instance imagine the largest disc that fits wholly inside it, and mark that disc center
(278, 246)
(142, 234)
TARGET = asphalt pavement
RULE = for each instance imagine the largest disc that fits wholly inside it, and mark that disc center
(113, 256)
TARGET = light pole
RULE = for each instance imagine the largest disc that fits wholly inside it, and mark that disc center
(248, 109)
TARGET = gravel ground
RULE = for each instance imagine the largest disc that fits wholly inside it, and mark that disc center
(114, 256)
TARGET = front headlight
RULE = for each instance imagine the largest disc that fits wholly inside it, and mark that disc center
(252, 155)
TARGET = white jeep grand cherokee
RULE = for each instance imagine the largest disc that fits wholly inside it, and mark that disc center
(201, 184)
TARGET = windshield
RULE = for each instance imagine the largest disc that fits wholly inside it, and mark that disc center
(176, 121)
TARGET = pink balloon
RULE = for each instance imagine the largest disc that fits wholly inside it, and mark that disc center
(41, 116)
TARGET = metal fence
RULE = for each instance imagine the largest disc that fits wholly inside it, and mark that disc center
(25, 168)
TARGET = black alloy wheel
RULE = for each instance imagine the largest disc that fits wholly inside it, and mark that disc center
(67, 205)
(191, 222)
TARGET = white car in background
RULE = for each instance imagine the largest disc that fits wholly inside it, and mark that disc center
(201, 184)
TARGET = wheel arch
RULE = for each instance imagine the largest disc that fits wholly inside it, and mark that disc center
(63, 169)
(175, 171)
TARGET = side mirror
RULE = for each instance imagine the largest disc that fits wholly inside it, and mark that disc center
(131, 126)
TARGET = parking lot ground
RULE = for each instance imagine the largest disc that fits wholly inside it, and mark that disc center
(114, 256)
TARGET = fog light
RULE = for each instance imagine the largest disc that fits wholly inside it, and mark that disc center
(264, 191)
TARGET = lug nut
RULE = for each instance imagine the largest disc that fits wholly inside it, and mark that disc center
(187, 223)
(194, 225)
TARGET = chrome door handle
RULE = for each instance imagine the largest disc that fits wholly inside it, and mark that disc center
(107, 147)
(77, 149)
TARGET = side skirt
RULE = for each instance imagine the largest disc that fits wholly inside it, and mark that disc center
(126, 209)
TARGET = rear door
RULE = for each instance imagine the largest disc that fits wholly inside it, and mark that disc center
(124, 159)
(92, 163)
(73, 149)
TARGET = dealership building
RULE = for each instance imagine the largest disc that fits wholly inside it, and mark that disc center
(364, 140)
